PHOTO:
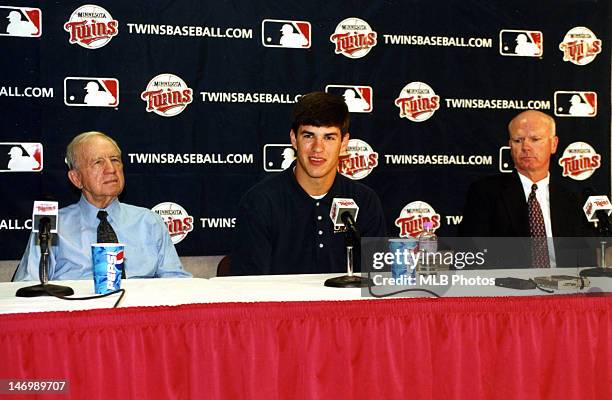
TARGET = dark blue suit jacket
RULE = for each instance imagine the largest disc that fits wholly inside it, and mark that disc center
(496, 207)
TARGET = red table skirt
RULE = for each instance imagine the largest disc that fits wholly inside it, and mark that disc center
(468, 348)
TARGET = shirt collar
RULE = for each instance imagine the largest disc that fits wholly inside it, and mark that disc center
(91, 212)
(327, 199)
(527, 183)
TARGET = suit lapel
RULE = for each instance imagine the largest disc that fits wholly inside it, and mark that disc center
(558, 216)
(515, 204)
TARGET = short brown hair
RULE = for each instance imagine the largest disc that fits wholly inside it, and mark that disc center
(320, 109)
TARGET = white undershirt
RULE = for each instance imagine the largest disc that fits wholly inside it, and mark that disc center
(543, 196)
(316, 197)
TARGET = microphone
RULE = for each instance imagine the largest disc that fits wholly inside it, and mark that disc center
(341, 210)
(343, 213)
(349, 222)
(44, 215)
(597, 209)
(44, 222)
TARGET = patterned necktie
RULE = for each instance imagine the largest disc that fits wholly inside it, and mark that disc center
(106, 233)
(539, 245)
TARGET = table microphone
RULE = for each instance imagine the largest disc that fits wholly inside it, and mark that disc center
(597, 210)
(343, 213)
(44, 222)
(343, 207)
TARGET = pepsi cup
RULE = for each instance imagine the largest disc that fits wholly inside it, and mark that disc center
(404, 251)
(107, 266)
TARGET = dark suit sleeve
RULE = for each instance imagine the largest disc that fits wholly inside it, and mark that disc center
(581, 226)
(575, 244)
(252, 247)
(476, 213)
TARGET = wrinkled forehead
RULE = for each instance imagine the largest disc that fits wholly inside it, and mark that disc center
(96, 147)
(530, 125)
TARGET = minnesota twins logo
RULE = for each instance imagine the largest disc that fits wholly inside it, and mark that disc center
(417, 102)
(579, 161)
(580, 46)
(353, 38)
(412, 217)
(167, 95)
(91, 27)
(358, 161)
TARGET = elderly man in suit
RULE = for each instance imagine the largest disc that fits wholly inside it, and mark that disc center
(529, 202)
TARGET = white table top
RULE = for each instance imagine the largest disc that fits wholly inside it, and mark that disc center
(158, 292)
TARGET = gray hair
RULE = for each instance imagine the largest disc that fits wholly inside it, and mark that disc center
(71, 159)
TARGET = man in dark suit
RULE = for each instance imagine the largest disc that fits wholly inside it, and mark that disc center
(528, 203)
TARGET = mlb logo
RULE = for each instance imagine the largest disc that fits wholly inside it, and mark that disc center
(506, 164)
(21, 157)
(277, 157)
(285, 33)
(575, 104)
(358, 99)
(521, 43)
(20, 21)
(91, 92)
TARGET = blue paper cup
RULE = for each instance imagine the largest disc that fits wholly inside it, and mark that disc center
(107, 266)
(403, 250)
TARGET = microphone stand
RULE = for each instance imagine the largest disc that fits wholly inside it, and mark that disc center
(603, 229)
(349, 280)
(44, 288)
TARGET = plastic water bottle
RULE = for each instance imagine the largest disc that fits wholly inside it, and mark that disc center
(428, 244)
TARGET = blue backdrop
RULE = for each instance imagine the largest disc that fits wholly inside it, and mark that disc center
(198, 95)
